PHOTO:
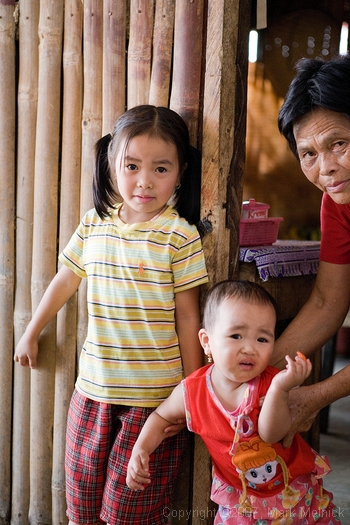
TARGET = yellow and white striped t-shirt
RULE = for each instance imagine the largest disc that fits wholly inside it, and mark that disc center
(131, 353)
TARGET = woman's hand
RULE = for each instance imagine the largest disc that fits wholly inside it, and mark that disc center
(304, 404)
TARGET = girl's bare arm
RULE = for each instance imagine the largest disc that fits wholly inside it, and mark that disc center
(151, 435)
(62, 287)
(187, 318)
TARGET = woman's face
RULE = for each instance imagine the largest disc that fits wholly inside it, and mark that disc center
(323, 145)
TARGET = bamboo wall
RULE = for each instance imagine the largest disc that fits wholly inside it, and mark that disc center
(68, 69)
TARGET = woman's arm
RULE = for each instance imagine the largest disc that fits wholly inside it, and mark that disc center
(320, 317)
(151, 435)
(306, 401)
(62, 287)
(275, 417)
(187, 318)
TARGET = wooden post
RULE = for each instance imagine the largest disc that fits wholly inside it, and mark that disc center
(162, 52)
(188, 47)
(139, 52)
(217, 153)
(26, 130)
(69, 219)
(45, 255)
(91, 127)
(114, 62)
(235, 180)
(7, 254)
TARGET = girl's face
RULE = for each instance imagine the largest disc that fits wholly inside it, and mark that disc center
(323, 145)
(241, 340)
(147, 172)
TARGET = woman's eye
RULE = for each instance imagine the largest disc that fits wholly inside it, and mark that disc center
(339, 145)
(131, 167)
(160, 169)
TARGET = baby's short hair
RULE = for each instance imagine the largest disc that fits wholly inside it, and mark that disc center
(249, 291)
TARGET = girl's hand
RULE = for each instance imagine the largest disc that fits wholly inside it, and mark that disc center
(137, 474)
(172, 430)
(294, 374)
(26, 351)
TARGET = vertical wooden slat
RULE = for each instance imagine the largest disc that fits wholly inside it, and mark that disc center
(26, 130)
(235, 180)
(139, 51)
(45, 254)
(7, 263)
(217, 153)
(69, 218)
(114, 62)
(162, 52)
(186, 82)
(92, 101)
(91, 125)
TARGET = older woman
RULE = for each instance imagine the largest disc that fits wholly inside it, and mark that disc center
(315, 119)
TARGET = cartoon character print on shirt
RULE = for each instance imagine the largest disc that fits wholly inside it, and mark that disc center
(256, 463)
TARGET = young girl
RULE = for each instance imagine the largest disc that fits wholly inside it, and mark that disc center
(144, 264)
(255, 480)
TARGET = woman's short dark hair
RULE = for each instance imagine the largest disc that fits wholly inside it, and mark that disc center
(317, 84)
(153, 121)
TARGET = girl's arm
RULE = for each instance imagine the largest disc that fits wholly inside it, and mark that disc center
(151, 435)
(275, 417)
(187, 318)
(62, 287)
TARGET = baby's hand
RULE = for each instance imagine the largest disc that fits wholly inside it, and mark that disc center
(294, 374)
(137, 473)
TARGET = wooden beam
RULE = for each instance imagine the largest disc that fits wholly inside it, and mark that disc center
(223, 113)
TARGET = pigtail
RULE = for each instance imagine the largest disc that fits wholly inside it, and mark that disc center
(104, 193)
(187, 196)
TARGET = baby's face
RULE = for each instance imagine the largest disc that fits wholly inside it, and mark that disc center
(242, 338)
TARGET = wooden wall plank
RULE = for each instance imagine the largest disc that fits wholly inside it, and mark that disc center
(45, 254)
(114, 63)
(65, 371)
(27, 100)
(187, 66)
(162, 52)
(7, 255)
(139, 52)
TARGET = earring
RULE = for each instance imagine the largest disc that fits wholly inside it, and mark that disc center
(210, 358)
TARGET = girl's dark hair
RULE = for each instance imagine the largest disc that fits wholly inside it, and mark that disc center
(318, 84)
(249, 291)
(156, 122)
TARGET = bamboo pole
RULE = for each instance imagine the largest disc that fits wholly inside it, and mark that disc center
(114, 62)
(7, 255)
(69, 218)
(92, 126)
(45, 254)
(188, 47)
(27, 112)
(92, 102)
(162, 52)
(139, 51)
